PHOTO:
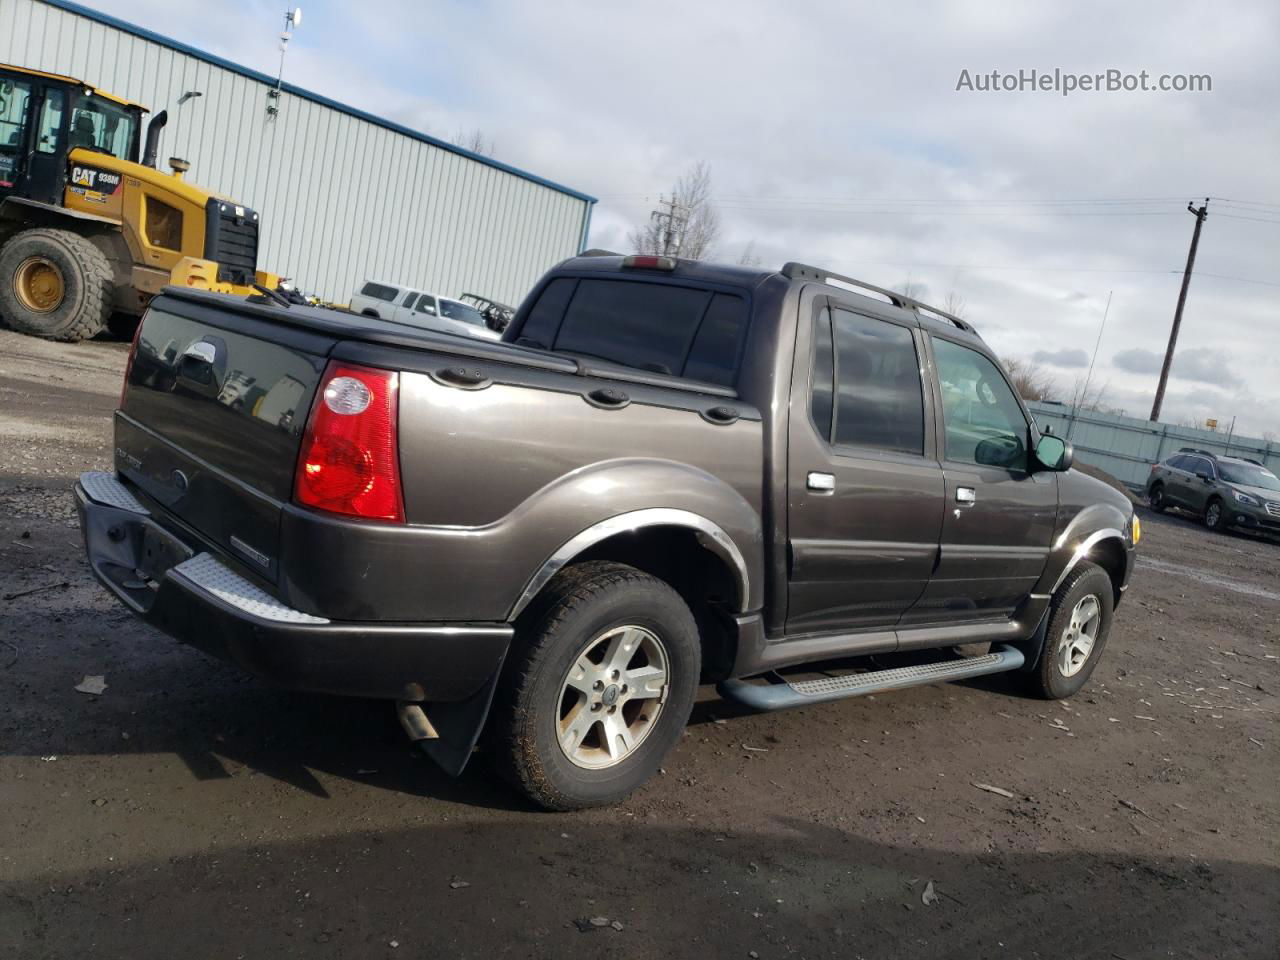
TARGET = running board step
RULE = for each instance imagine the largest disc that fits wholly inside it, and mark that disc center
(779, 696)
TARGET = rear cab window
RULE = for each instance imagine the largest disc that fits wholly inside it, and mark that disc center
(379, 291)
(680, 330)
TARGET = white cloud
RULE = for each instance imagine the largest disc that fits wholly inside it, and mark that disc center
(799, 111)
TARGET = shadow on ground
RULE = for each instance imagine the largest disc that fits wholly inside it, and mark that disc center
(509, 890)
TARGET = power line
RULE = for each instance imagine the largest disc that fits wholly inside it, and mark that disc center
(1250, 203)
(1236, 216)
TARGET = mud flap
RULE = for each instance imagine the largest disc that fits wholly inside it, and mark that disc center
(1033, 647)
(460, 725)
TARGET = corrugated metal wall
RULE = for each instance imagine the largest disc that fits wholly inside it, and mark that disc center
(342, 198)
(1126, 447)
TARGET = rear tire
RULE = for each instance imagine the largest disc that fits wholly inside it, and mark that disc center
(1155, 497)
(1079, 621)
(54, 284)
(556, 730)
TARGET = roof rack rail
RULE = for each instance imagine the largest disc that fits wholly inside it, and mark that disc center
(1203, 453)
(803, 271)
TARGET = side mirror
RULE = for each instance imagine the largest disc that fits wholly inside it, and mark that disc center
(999, 452)
(1204, 475)
(1054, 453)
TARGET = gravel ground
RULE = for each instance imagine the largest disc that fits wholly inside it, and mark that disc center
(189, 810)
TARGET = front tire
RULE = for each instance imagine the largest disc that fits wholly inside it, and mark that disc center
(602, 689)
(1215, 515)
(54, 284)
(1079, 622)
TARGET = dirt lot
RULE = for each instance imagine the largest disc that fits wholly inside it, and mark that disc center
(188, 811)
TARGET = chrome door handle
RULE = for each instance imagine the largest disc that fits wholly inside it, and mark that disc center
(821, 482)
(966, 495)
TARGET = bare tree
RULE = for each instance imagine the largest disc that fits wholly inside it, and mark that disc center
(475, 141)
(911, 288)
(687, 224)
(1086, 395)
(1270, 436)
(748, 257)
(1029, 379)
(954, 304)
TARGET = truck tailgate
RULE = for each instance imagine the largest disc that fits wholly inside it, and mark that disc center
(213, 415)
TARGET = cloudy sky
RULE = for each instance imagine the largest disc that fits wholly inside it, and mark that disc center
(835, 134)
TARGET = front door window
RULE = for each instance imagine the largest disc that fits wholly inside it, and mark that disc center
(983, 421)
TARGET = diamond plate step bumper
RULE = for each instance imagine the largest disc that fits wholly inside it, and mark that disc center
(779, 696)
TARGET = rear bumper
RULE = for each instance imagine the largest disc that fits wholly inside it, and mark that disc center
(168, 580)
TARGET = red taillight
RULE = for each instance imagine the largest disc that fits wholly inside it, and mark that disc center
(350, 457)
(128, 364)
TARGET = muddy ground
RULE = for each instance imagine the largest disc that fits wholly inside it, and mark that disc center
(190, 812)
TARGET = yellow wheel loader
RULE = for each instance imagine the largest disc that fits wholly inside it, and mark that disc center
(88, 230)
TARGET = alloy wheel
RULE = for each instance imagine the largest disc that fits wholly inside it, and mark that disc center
(611, 696)
(1079, 636)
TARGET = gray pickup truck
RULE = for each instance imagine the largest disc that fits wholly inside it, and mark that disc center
(667, 473)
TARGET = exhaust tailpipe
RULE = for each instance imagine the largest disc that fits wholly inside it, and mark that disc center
(153, 138)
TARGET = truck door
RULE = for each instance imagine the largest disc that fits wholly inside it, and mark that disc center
(1000, 517)
(864, 508)
(16, 104)
(402, 311)
(47, 162)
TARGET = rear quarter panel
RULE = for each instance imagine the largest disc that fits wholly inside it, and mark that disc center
(497, 480)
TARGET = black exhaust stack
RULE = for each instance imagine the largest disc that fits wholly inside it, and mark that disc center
(153, 138)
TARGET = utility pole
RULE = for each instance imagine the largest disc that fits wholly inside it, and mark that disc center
(1200, 213)
(671, 223)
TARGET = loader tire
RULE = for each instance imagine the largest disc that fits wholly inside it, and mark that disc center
(54, 284)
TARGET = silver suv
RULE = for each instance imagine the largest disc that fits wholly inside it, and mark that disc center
(1223, 491)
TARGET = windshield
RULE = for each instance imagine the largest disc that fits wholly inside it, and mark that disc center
(1247, 475)
(461, 312)
(99, 124)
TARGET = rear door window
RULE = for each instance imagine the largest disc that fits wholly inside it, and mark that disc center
(879, 396)
(408, 300)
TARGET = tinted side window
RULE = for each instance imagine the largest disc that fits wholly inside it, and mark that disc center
(880, 402)
(1176, 463)
(718, 344)
(540, 325)
(379, 291)
(645, 325)
(427, 304)
(408, 300)
(984, 424)
(824, 374)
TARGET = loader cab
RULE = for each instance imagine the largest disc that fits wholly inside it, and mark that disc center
(43, 118)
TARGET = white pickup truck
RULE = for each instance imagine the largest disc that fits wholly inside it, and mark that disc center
(416, 308)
